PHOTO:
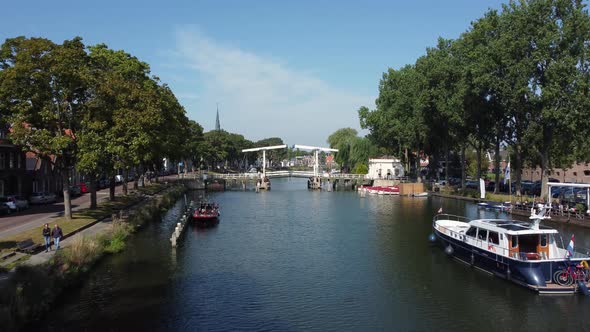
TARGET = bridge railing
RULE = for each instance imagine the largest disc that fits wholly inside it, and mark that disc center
(276, 174)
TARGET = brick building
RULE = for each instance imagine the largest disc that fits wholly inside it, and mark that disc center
(578, 173)
(13, 172)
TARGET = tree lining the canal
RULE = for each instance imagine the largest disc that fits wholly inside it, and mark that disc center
(353, 151)
(90, 108)
(518, 77)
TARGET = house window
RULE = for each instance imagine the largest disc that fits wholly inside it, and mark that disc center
(2, 160)
(575, 173)
(11, 160)
(587, 172)
(19, 161)
(557, 173)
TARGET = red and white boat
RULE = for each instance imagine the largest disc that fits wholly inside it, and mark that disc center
(390, 190)
(206, 212)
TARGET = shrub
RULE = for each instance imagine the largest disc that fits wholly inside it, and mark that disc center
(115, 240)
(360, 169)
(82, 251)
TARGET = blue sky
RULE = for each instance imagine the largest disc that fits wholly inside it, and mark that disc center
(298, 70)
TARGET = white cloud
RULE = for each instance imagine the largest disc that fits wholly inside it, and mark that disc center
(261, 97)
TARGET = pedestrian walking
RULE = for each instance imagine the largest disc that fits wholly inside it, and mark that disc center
(57, 235)
(47, 237)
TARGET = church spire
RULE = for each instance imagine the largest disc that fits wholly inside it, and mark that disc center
(217, 125)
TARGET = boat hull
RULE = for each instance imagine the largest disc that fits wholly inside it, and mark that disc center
(535, 275)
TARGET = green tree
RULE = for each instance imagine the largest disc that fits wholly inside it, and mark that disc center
(272, 155)
(341, 135)
(43, 87)
(397, 124)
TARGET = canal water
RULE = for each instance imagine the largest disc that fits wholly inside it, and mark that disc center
(295, 260)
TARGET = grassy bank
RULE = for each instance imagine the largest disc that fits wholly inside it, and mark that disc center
(29, 293)
(79, 220)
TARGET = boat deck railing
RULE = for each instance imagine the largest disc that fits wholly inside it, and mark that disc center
(444, 216)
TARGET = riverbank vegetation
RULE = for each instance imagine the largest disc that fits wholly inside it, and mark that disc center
(28, 294)
(82, 218)
(353, 151)
(518, 78)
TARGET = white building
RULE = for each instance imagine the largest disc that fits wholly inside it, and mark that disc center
(385, 168)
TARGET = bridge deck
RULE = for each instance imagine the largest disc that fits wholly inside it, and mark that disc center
(284, 174)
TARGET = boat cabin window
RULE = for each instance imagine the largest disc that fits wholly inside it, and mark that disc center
(493, 237)
(514, 241)
(543, 238)
(472, 231)
(501, 237)
(482, 234)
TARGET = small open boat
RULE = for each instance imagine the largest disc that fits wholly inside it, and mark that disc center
(206, 213)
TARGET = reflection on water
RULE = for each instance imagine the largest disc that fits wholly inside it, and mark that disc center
(292, 259)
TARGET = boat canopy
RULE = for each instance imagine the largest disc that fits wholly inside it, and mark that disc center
(513, 227)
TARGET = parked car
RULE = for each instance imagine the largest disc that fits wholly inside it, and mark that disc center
(103, 183)
(490, 186)
(526, 187)
(82, 188)
(20, 202)
(4, 209)
(472, 184)
(119, 179)
(42, 198)
(454, 181)
(11, 206)
(441, 182)
(75, 191)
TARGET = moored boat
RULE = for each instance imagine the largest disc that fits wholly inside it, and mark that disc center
(391, 190)
(495, 206)
(523, 252)
(206, 213)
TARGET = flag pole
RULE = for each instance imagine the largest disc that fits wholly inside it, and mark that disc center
(509, 181)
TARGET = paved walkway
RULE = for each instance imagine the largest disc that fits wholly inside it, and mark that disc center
(37, 216)
(98, 228)
(92, 231)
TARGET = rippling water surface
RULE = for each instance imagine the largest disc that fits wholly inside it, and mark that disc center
(292, 260)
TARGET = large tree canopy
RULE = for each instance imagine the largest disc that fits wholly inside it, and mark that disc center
(91, 108)
(517, 77)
